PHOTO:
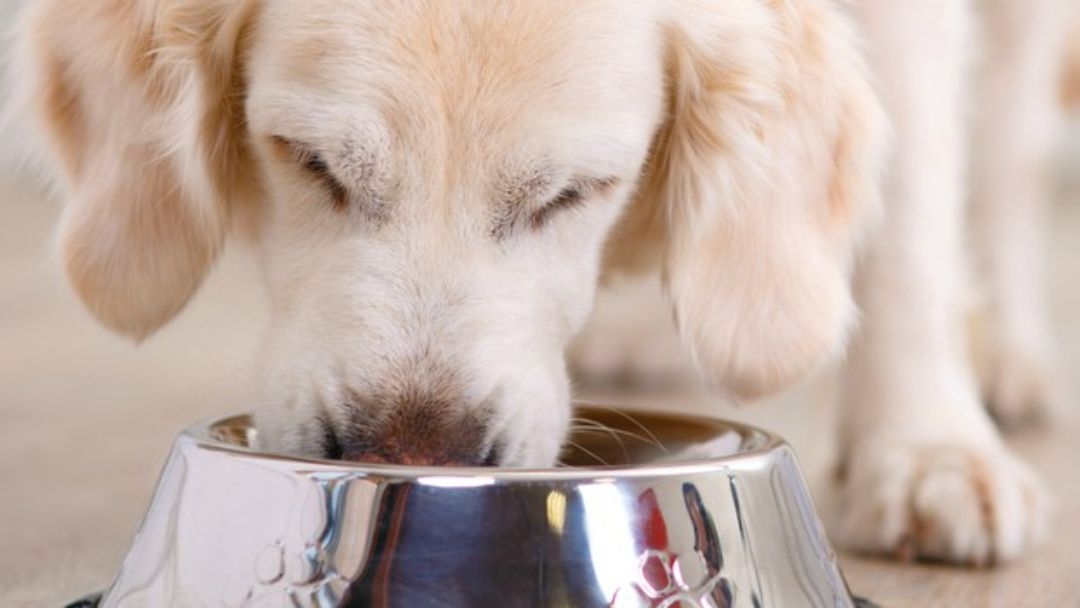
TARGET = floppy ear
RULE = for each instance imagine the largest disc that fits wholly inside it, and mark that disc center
(139, 101)
(759, 185)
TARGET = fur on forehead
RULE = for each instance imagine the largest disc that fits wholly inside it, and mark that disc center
(457, 81)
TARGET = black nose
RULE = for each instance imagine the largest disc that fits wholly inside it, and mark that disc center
(414, 434)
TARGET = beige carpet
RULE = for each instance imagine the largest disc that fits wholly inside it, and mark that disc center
(86, 420)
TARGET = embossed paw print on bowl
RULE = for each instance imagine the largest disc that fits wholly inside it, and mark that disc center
(686, 512)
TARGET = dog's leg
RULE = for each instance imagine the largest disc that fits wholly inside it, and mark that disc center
(1017, 108)
(923, 471)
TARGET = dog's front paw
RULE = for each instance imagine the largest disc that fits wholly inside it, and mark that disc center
(961, 504)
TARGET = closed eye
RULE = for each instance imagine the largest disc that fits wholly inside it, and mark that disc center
(315, 166)
(570, 197)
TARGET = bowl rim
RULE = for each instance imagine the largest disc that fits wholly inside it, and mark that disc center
(766, 447)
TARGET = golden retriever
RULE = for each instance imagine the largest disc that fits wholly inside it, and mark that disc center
(435, 188)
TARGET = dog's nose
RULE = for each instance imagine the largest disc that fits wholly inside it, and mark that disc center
(418, 435)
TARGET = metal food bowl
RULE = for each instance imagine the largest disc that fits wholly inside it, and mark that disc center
(652, 510)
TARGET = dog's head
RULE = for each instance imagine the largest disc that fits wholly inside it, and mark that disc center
(432, 185)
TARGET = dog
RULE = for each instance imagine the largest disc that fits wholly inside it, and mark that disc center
(437, 188)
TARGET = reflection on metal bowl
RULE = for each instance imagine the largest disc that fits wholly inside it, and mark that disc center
(652, 510)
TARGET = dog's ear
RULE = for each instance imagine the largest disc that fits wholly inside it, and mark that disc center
(758, 187)
(140, 102)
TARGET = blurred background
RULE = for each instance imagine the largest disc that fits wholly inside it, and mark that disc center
(86, 418)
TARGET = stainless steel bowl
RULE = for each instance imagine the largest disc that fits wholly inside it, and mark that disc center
(655, 510)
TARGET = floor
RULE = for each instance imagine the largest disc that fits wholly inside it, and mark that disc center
(86, 420)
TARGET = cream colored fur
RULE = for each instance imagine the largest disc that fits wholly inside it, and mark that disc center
(922, 471)
(735, 147)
